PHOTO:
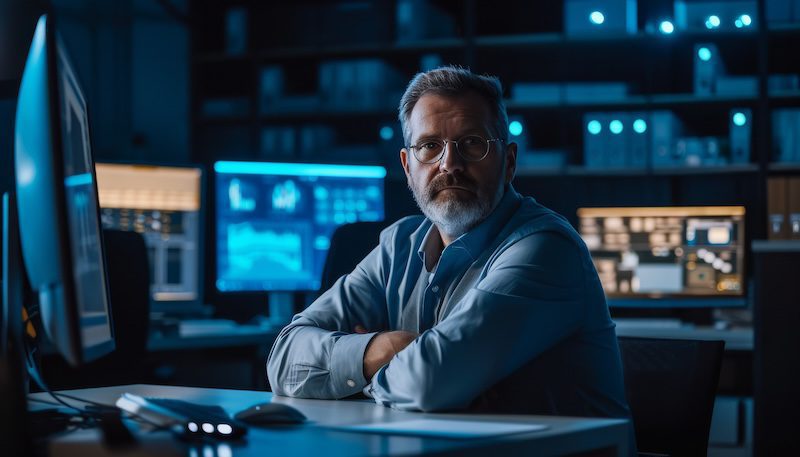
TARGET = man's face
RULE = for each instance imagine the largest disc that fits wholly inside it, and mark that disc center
(453, 193)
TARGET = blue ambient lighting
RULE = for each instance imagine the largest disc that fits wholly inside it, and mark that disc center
(666, 27)
(615, 127)
(639, 126)
(387, 133)
(597, 17)
(713, 22)
(300, 169)
(739, 119)
(515, 128)
(594, 127)
(704, 53)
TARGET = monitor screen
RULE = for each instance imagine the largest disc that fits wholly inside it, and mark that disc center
(274, 221)
(678, 252)
(163, 205)
(56, 194)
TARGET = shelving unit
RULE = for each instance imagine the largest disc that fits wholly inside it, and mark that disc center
(520, 42)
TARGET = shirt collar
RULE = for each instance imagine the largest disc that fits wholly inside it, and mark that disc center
(475, 240)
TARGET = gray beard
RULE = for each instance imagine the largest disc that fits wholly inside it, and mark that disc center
(452, 217)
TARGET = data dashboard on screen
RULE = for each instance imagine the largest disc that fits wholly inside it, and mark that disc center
(274, 221)
(663, 252)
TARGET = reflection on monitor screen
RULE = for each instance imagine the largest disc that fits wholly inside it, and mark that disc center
(669, 251)
(274, 221)
(163, 204)
(84, 230)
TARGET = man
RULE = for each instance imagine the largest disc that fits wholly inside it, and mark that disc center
(490, 302)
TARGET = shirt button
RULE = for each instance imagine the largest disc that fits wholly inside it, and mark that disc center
(435, 289)
(351, 383)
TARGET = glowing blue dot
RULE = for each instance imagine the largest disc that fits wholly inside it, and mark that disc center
(739, 119)
(597, 17)
(594, 127)
(639, 126)
(746, 20)
(739, 24)
(713, 22)
(704, 53)
(615, 127)
(666, 27)
(515, 128)
(387, 133)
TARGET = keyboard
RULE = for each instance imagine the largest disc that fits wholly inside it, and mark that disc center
(189, 420)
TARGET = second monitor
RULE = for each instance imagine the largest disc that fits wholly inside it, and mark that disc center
(274, 221)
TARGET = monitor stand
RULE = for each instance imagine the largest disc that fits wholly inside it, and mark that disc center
(281, 307)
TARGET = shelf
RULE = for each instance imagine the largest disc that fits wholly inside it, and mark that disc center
(776, 245)
(326, 113)
(784, 166)
(707, 170)
(549, 39)
(328, 51)
(579, 170)
(783, 28)
(637, 101)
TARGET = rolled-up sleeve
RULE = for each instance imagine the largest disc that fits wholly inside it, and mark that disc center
(317, 355)
(530, 299)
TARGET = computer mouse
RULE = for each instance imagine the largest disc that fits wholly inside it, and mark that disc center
(270, 413)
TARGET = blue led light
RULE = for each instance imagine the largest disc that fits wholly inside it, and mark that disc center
(639, 126)
(713, 22)
(746, 20)
(78, 180)
(615, 126)
(387, 133)
(704, 54)
(515, 128)
(666, 27)
(597, 18)
(739, 119)
(594, 127)
(300, 169)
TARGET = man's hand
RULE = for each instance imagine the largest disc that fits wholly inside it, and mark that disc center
(382, 348)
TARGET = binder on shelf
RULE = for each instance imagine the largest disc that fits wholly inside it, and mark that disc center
(708, 67)
(694, 14)
(785, 125)
(740, 122)
(595, 139)
(600, 16)
(236, 31)
(638, 134)
(777, 208)
(618, 127)
(793, 206)
(272, 85)
(665, 128)
(422, 19)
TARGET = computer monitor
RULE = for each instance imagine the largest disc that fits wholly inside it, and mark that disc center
(162, 203)
(668, 256)
(274, 221)
(59, 220)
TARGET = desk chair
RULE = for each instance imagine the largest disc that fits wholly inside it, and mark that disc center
(349, 245)
(671, 385)
(128, 278)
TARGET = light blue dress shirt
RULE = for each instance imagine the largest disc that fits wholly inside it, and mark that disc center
(512, 319)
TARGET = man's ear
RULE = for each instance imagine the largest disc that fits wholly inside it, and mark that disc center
(404, 161)
(511, 161)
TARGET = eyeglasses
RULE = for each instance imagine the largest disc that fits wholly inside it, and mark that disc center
(471, 148)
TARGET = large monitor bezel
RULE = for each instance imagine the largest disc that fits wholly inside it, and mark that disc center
(71, 345)
(681, 300)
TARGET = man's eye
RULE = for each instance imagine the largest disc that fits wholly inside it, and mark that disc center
(430, 145)
(471, 141)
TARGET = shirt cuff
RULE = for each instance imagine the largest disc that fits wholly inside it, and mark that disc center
(347, 363)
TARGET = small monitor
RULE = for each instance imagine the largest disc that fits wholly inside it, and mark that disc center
(694, 255)
(59, 220)
(274, 221)
(163, 204)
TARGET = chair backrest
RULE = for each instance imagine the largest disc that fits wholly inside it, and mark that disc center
(671, 385)
(349, 244)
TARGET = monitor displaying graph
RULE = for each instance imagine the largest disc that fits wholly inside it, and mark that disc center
(274, 221)
(662, 252)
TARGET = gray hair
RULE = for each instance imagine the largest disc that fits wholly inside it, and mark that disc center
(453, 81)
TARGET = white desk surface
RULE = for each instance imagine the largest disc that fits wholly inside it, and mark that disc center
(564, 435)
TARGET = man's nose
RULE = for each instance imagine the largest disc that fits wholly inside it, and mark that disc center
(451, 160)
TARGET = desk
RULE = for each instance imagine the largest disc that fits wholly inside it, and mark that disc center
(564, 435)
